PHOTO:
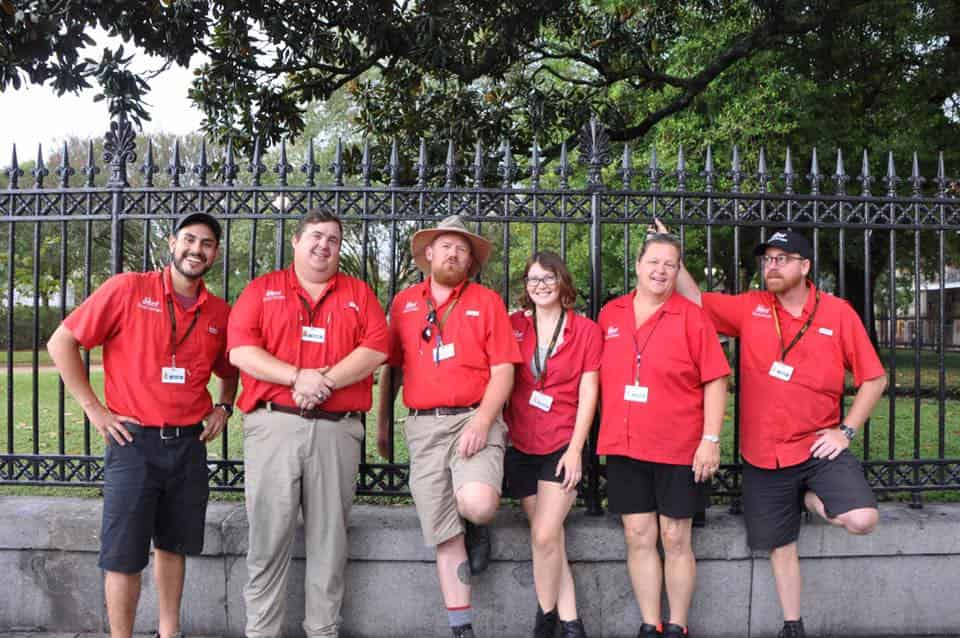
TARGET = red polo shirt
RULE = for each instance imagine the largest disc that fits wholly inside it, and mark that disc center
(532, 430)
(779, 419)
(129, 316)
(479, 329)
(680, 353)
(272, 312)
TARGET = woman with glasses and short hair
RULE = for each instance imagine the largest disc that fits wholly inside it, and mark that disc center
(664, 392)
(549, 415)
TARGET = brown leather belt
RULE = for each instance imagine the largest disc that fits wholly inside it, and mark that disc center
(444, 410)
(270, 406)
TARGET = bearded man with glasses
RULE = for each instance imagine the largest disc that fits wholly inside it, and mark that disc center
(797, 342)
(452, 346)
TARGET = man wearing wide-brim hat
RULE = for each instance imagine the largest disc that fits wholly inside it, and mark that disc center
(452, 347)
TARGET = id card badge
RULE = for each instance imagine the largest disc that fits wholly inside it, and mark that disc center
(635, 393)
(443, 352)
(541, 401)
(314, 334)
(780, 370)
(173, 374)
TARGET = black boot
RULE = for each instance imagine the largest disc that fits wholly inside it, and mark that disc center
(649, 631)
(792, 629)
(572, 629)
(463, 631)
(477, 540)
(672, 630)
(546, 624)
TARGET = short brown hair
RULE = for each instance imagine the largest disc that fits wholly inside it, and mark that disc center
(659, 238)
(317, 215)
(554, 263)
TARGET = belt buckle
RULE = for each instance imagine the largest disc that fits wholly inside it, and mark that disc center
(303, 413)
(164, 428)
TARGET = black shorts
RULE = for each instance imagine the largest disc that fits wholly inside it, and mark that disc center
(522, 471)
(773, 499)
(155, 489)
(638, 487)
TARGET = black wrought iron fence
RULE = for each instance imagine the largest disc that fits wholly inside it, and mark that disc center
(62, 240)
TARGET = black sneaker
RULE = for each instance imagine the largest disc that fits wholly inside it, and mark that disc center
(477, 540)
(463, 631)
(792, 629)
(649, 631)
(177, 634)
(572, 629)
(672, 630)
(545, 625)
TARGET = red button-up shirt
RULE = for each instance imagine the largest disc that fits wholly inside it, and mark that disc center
(680, 352)
(272, 312)
(479, 329)
(779, 419)
(129, 316)
(532, 430)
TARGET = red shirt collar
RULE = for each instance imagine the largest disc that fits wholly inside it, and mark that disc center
(294, 282)
(567, 329)
(167, 278)
(807, 305)
(671, 305)
(455, 294)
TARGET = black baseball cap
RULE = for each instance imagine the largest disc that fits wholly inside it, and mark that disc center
(787, 241)
(206, 219)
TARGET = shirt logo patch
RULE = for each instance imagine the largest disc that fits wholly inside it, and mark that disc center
(148, 303)
(274, 295)
(518, 335)
(826, 331)
(612, 332)
(411, 306)
(213, 330)
(473, 313)
(762, 311)
(353, 304)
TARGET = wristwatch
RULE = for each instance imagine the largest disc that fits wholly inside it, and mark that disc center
(227, 407)
(848, 431)
(713, 438)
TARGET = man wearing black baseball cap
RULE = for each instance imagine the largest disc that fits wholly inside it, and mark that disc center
(797, 342)
(163, 334)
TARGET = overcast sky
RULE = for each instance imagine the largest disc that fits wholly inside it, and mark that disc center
(35, 114)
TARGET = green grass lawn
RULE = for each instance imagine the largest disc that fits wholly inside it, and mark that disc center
(47, 439)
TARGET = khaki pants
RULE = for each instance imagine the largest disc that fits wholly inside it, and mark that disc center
(437, 472)
(292, 463)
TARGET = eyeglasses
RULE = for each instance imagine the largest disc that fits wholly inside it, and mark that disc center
(427, 333)
(546, 280)
(780, 260)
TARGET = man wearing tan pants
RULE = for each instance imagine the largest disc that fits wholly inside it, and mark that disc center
(307, 340)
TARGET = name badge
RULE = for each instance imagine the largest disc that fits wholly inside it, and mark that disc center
(826, 332)
(443, 352)
(173, 375)
(635, 393)
(780, 370)
(541, 401)
(313, 334)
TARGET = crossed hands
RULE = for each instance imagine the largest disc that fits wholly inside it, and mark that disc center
(312, 387)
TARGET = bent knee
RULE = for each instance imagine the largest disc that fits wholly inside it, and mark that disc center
(860, 522)
(478, 504)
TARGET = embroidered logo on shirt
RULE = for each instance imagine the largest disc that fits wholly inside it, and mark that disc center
(411, 306)
(353, 304)
(213, 330)
(762, 311)
(518, 335)
(148, 303)
(473, 313)
(826, 331)
(612, 332)
(274, 295)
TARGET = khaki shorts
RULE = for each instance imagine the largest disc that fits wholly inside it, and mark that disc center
(437, 472)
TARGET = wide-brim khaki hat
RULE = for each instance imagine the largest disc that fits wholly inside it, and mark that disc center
(480, 248)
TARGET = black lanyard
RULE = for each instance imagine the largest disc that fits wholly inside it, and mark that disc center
(800, 333)
(638, 351)
(446, 315)
(542, 372)
(174, 344)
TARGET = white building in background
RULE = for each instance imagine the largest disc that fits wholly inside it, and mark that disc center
(925, 328)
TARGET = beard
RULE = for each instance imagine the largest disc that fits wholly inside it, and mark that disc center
(183, 269)
(782, 283)
(449, 274)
